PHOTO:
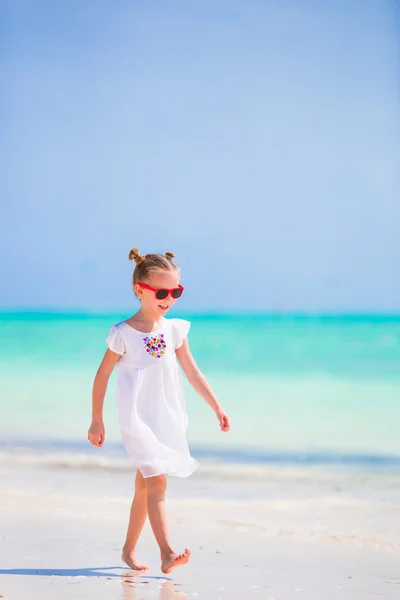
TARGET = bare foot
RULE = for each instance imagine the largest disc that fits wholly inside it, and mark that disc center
(174, 560)
(132, 562)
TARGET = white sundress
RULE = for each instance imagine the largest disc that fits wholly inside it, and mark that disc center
(150, 397)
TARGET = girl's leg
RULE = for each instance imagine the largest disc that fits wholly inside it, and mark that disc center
(137, 519)
(156, 487)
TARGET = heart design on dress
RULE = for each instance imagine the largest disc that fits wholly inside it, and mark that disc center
(155, 346)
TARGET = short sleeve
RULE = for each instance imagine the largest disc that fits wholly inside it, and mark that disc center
(181, 329)
(115, 341)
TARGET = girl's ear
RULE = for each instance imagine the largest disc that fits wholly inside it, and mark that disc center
(138, 291)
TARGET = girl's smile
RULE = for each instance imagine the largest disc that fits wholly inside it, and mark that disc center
(164, 307)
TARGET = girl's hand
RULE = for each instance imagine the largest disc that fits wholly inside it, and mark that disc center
(96, 433)
(224, 421)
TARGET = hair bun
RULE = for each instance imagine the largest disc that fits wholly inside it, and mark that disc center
(169, 255)
(134, 255)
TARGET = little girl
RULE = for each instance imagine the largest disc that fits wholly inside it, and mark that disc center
(150, 399)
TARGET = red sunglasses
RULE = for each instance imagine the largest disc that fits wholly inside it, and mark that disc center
(162, 294)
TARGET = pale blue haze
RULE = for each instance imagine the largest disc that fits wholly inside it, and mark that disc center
(258, 140)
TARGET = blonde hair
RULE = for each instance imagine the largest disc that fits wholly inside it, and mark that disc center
(148, 263)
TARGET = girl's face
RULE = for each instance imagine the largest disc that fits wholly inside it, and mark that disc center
(159, 280)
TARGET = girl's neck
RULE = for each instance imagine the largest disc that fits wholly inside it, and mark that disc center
(147, 317)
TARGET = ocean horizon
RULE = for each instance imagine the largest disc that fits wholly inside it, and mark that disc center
(301, 388)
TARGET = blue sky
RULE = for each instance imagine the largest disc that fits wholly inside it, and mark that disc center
(258, 140)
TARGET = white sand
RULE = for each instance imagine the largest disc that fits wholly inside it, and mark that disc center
(62, 531)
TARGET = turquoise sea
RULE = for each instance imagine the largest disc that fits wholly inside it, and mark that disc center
(308, 389)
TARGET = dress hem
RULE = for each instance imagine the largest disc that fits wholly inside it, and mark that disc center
(169, 473)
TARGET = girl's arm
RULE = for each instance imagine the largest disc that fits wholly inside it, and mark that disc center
(200, 383)
(96, 433)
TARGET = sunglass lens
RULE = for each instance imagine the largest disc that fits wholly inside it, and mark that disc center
(161, 294)
(177, 293)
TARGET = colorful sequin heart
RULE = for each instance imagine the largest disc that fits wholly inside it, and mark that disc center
(155, 346)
